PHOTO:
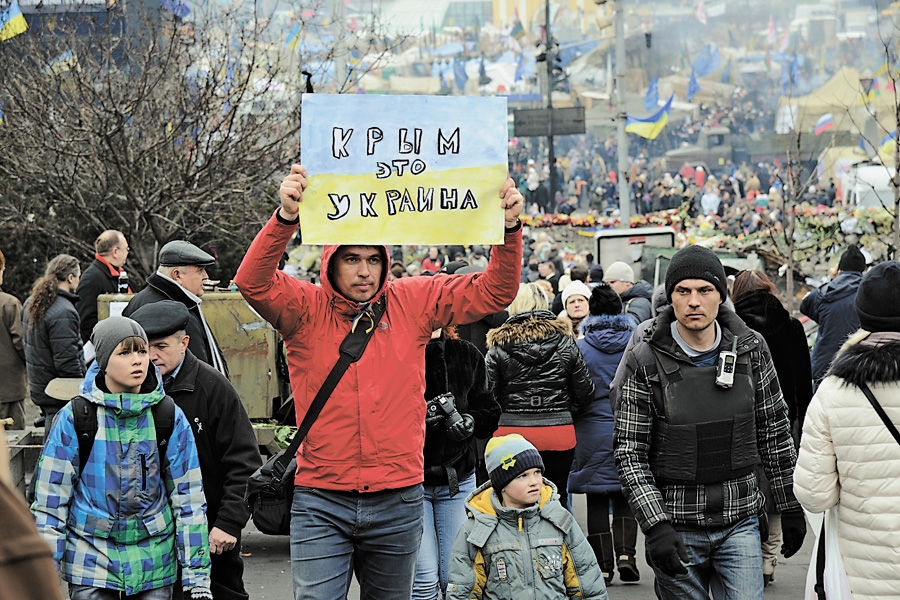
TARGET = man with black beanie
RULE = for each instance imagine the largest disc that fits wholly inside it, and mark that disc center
(832, 307)
(687, 440)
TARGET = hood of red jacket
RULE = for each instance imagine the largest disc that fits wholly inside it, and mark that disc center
(352, 307)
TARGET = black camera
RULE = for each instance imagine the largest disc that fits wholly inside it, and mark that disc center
(443, 406)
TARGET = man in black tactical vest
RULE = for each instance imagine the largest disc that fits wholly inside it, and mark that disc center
(700, 406)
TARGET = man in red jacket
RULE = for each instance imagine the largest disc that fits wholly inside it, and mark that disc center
(358, 496)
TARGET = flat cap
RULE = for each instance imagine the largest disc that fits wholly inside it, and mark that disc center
(179, 253)
(162, 319)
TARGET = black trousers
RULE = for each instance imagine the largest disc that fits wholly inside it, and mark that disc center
(557, 464)
(598, 510)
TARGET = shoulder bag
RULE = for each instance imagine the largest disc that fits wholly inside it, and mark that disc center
(270, 490)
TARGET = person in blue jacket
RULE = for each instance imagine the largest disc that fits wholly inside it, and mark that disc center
(120, 524)
(606, 332)
(832, 306)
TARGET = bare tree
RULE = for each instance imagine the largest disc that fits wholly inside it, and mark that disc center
(156, 124)
(798, 149)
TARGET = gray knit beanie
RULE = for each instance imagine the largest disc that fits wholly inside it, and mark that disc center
(109, 333)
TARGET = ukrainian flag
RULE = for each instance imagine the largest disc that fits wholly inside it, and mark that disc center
(293, 38)
(887, 144)
(12, 22)
(649, 127)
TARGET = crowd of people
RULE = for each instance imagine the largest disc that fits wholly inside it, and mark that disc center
(730, 199)
(497, 383)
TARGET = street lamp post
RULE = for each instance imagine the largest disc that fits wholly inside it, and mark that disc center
(550, 61)
(622, 140)
(624, 191)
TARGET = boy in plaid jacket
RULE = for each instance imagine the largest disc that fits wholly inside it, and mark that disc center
(123, 525)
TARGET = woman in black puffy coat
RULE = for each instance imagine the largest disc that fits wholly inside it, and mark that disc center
(540, 380)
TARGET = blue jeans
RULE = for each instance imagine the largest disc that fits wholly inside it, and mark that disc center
(443, 518)
(86, 592)
(376, 535)
(727, 558)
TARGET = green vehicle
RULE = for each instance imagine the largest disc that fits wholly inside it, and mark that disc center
(256, 362)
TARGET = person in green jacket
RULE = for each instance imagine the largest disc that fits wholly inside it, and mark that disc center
(518, 538)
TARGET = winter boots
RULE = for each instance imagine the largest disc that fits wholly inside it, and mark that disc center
(624, 532)
(602, 545)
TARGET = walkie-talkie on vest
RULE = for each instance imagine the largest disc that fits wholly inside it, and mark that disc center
(725, 367)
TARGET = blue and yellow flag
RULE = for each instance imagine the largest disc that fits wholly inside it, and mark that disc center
(293, 38)
(62, 63)
(12, 22)
(649, 127)
(518, 31)
(887, 144)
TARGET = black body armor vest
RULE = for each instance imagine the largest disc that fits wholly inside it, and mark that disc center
(702, 433)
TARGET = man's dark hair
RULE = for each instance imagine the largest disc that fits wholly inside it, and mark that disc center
(579, 272)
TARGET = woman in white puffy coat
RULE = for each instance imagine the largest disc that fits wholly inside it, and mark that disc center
(847, 455)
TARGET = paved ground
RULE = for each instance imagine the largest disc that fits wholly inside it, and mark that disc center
(267, 573)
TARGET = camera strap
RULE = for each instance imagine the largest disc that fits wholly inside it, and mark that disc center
(448, 468)
(351, 349)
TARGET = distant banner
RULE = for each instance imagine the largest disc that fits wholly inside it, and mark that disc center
(403, 169)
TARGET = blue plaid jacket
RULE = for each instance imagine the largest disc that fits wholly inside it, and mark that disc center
(124, 524)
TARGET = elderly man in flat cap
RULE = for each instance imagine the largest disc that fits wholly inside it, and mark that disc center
(179, 277)
(225, 440)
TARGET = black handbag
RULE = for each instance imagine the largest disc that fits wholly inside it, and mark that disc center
(270, 490)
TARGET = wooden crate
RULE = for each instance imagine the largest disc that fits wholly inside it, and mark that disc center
(24, 448)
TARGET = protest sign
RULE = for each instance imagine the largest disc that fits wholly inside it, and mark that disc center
(403, 169)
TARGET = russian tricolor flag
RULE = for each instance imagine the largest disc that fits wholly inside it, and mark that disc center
(824, 123)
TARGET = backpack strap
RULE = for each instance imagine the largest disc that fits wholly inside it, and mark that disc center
(84, 413)
(85, 416)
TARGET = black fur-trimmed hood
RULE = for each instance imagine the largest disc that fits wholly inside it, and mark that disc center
(860, 363)
(529, 326)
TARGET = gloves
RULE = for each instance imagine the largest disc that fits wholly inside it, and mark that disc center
(432, 422)
(793, 527)
(462, 429)
(198, 593)
(666, 550)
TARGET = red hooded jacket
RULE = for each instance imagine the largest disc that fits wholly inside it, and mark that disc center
(370, 434)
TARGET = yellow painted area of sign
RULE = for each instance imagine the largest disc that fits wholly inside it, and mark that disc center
(456, 206)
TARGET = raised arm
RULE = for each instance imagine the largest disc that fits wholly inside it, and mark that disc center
(465, 299)
(264, 287)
